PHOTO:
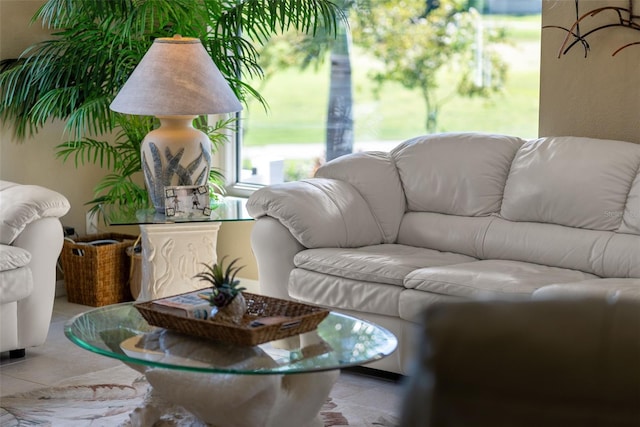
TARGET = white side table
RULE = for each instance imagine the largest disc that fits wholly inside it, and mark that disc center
(174, 249)
(172, 254)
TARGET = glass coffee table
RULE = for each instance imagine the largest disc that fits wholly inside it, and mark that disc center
(280, 383)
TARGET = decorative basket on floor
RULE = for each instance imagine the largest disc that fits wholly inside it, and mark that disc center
(298, 318)
(134, 253)
(97, 275)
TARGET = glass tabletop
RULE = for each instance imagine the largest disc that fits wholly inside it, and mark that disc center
(227, 209)
(120, 332)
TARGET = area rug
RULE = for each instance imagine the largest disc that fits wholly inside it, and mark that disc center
(89, 400)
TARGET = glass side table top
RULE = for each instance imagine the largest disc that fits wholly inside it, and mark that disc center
(229, 209)
(120, 332)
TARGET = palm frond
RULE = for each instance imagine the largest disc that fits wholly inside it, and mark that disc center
(97, 44)
(260, 22)
(88, 150)
(119, 196)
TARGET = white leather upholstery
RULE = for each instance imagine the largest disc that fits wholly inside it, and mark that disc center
(611, 289)
(346, 221)
(387, 264)
(16, 284)
(455, 174)
(577, 182)
(451, 217)
(29, 221)
(267, 235)
(376, 178)
(20, 205)
(548, 244)
(631, 217)
(446, 233)
(13, 257)
(492, 278)
(343, 293)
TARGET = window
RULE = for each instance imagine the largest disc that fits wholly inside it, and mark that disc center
(288, 142)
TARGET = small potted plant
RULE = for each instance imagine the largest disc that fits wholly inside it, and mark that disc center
(229, 305)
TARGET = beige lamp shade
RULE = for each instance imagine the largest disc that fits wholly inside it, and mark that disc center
(175, 81)
(176, 77)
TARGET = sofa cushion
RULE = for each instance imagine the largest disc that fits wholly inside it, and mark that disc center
(603, 253)
(387, 264)
(573, 181)
(23, 204)
(448, 233)
(455, 173)
(13, 257)
(343, 293)
(611, 288)
(490, 279)
(622, 256)
(15, 284)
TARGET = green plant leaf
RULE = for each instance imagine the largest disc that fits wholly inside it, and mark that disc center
(95, 47)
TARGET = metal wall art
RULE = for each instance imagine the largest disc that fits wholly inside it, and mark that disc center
(576, 35)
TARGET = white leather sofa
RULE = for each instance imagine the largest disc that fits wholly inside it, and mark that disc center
(31, 239)
(453, 217)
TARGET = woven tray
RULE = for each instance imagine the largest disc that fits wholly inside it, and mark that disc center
(300, 318)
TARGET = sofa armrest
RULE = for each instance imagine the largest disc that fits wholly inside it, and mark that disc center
(21, 205)
(274, 248)
(319, 212)
(43, 239)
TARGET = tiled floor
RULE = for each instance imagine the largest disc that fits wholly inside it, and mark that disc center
(52, 362)
(59, 359)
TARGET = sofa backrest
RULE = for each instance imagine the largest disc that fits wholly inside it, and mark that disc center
(457, 173)
(571, 181)
(569, 202)
(375, 177)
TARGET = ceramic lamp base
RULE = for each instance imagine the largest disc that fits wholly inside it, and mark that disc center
(175, 154)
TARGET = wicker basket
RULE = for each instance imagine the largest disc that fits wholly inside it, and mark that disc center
(135, 268)
(301, 318)
(97, 275)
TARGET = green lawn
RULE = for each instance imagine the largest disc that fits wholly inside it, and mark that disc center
(298, 101)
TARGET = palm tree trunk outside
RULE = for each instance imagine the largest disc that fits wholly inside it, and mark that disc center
(339, 139)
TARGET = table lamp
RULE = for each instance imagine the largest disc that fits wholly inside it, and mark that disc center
(175, 81)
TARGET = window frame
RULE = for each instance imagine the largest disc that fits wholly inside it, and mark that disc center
(230, 158)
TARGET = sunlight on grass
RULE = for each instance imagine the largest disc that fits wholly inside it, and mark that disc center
(298, 100)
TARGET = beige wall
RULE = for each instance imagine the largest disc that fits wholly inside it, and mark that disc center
(33, 161)
(598, 96)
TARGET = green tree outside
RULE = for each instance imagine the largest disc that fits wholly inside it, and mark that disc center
(415, 46)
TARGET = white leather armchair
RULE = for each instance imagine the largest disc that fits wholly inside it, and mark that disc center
(31, 239)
